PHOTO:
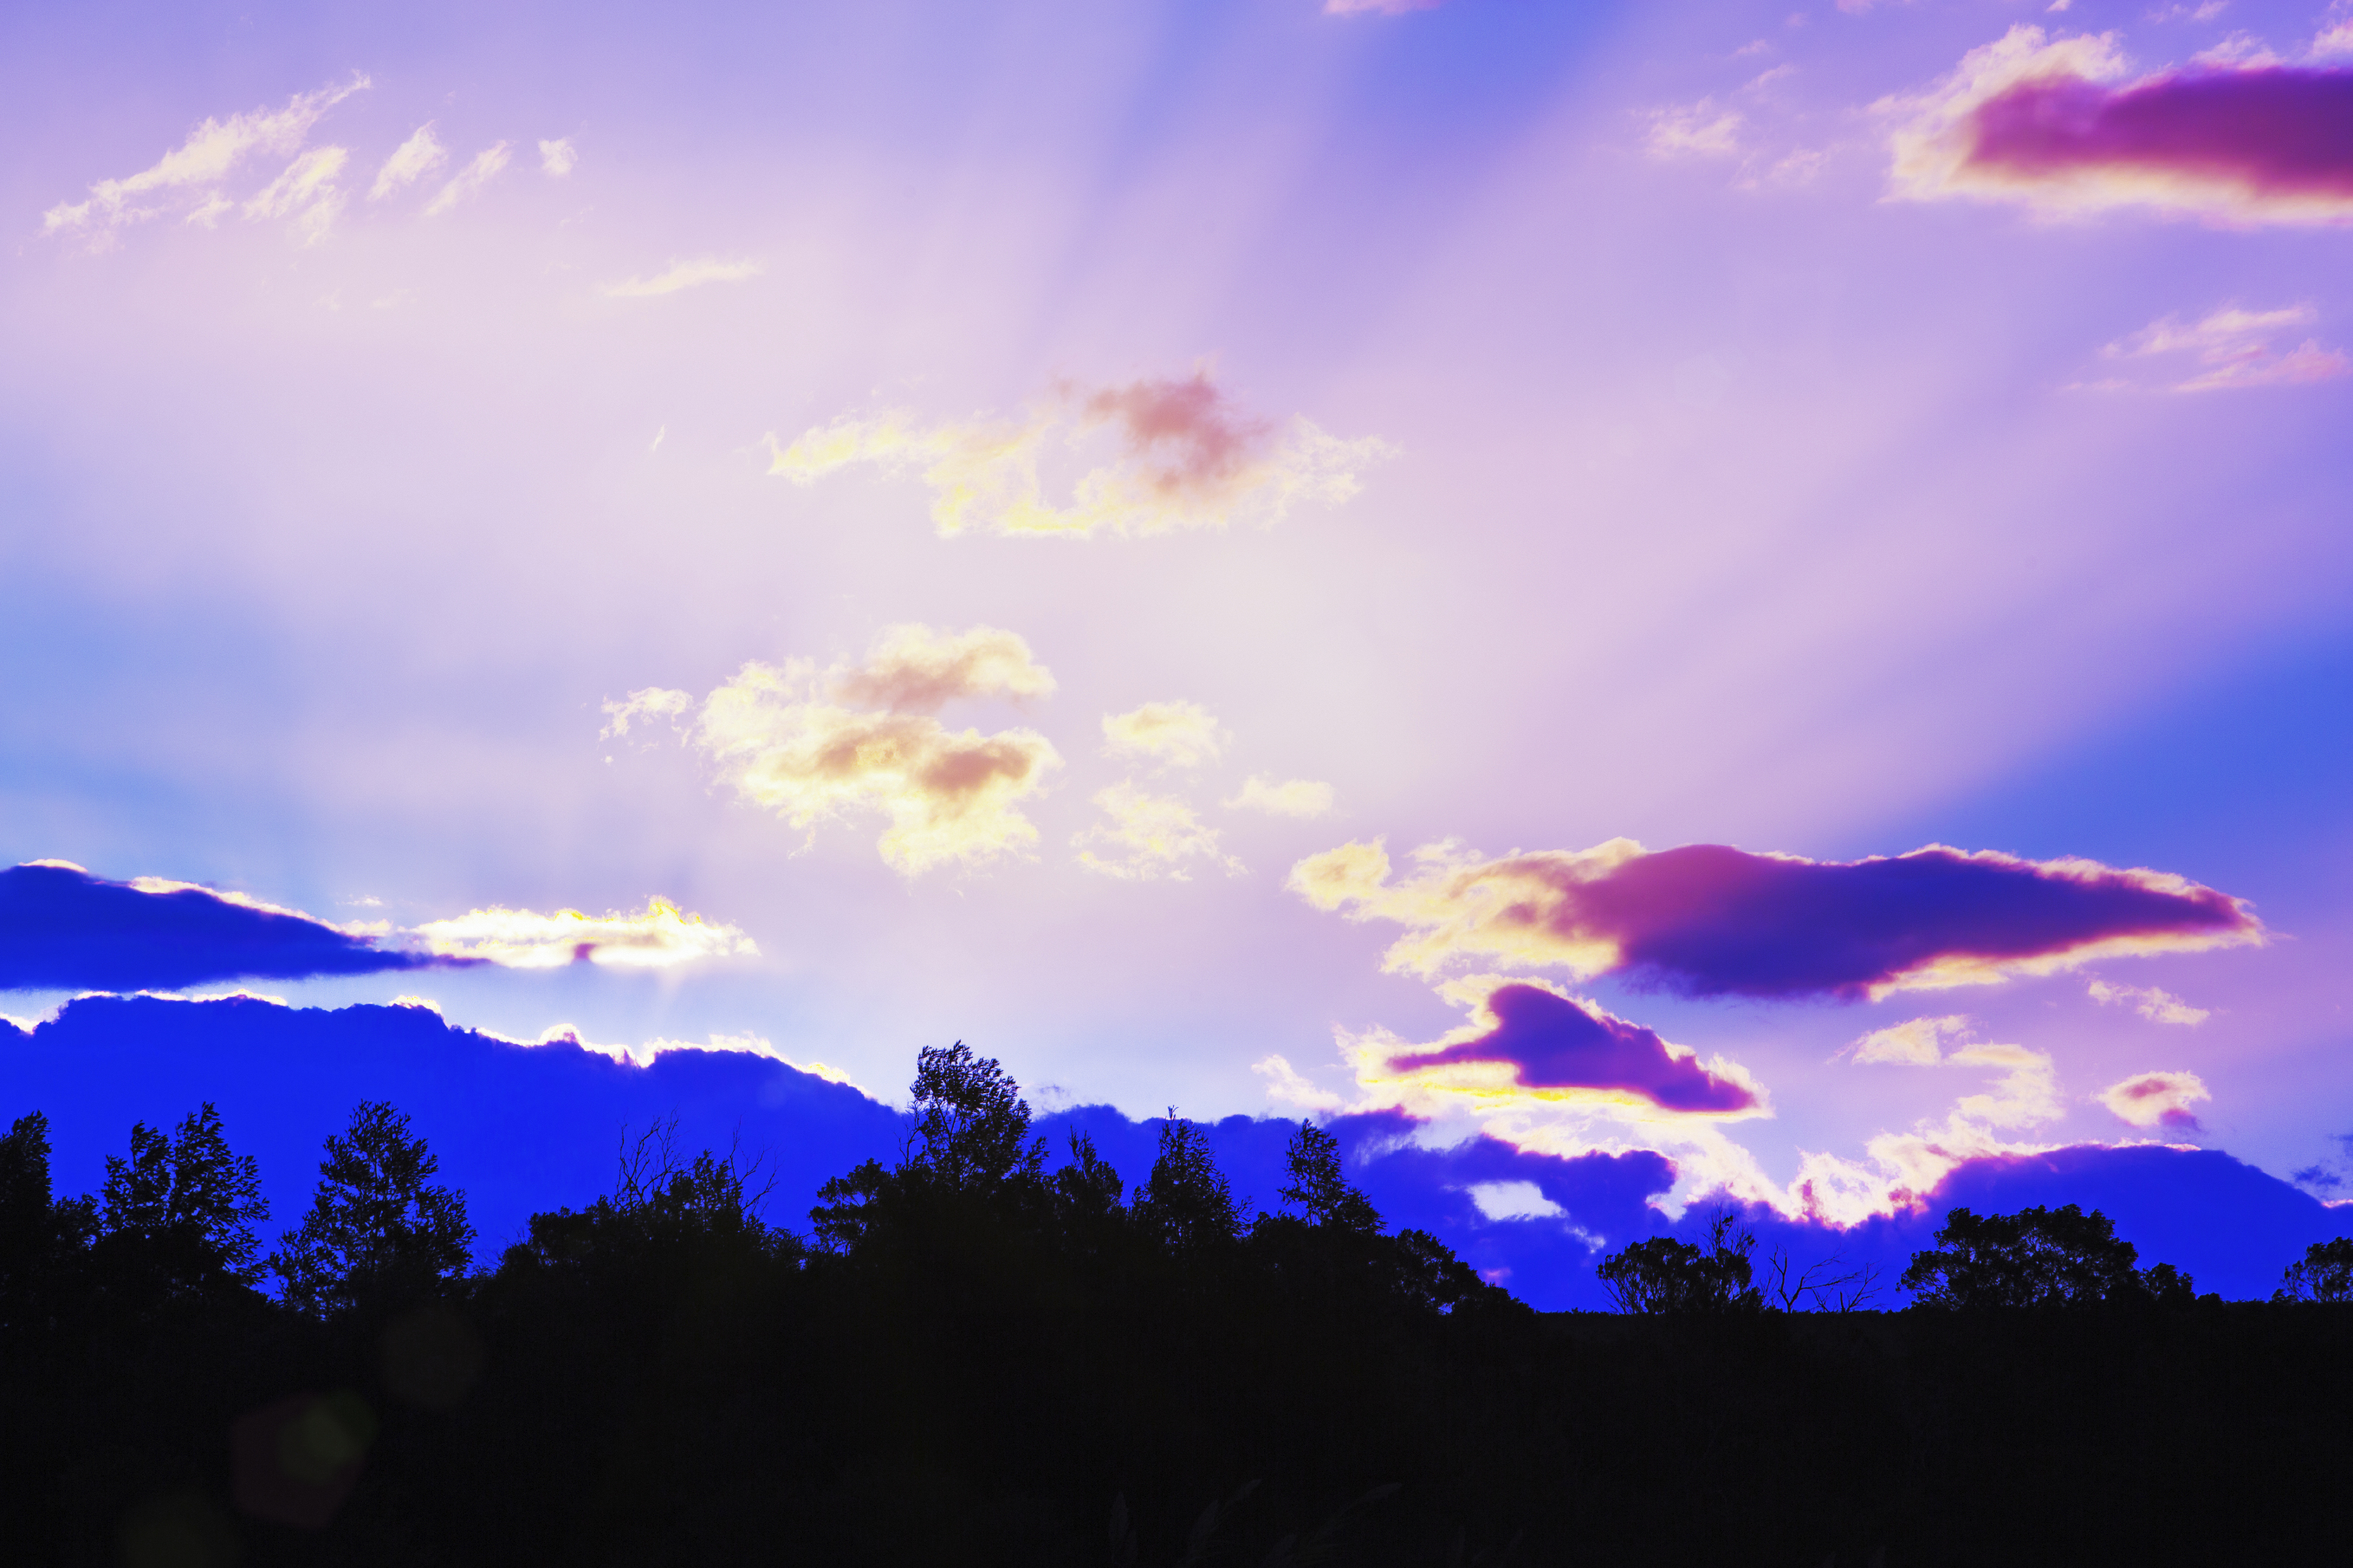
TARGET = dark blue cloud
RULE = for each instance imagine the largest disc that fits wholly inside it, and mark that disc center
(63, 929)
(518, 1128)
(526, 1128)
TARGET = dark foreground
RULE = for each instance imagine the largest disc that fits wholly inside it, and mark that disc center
(673, 1413)
(971, 1359)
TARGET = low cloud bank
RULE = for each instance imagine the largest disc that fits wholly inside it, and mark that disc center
(522, 1128)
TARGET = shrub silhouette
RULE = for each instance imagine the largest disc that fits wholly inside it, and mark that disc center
(1663, 1275)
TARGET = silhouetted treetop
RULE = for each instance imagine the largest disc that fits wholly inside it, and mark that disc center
(1187, 1204)
(2037, 1257)
(376, 1227)
(2324, 1273)
(1317, 1188)
(971, 1126)
(186, 1206)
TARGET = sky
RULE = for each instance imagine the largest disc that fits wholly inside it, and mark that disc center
(1638, 607)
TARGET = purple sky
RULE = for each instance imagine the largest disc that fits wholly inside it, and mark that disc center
(1192, 546)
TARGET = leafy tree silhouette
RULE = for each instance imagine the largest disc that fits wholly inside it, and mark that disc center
(38, 1232)
(660, 1208)
(378, 1230)
(179, 1212)
(1663, 1275)
(1319, 1189)
(2324, 1273)
(1186, 1203)
(2037, 1257)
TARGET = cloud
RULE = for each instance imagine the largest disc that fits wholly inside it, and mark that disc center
(2230, 348)
(558, 158)
(1709, 920)
(914, 669)
(652, 703)
(1699, 130)
(1513, 1200)
(522, 1127)
(777, 739)
(1185, 458)
(1152, 836)
(685, 275)
(410, 162)
(469, 179)
(518, 939)
(1918, 1042)
(191, 174)
(1293, 797)
(2156, 1100)
(2158, 1007)
(63, 929)
(1545, 1044)
(1900, 1169)
(1182, 734)
(2056, 123)
(307, 185)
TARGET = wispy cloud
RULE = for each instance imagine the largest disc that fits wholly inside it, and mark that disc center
(1899, 1169)
(2231, 348)
(471, 179)
(1148, 837)
(1293, 797)
(1702, 129)
(191, 174)
(558, 158)
(1187, 457)
(2157, 1006)
(410, 162)
(658, 938)
(1181, 734)
(682, 274)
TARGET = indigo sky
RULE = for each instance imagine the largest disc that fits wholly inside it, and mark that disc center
(1635, 604)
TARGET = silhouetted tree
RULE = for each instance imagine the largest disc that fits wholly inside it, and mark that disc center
(38, 1231)
(2324, 1273)
(660, 1207)
(970, 1143)
(1187, 1205)
(2037, 1257)
(1663, 1275)
(1318, 1189)
(377, 1229)
(179, 1212)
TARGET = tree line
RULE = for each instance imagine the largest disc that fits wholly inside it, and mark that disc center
(969, 1357)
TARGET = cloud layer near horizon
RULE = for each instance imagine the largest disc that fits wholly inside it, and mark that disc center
(1708, 920)
(285, 1077)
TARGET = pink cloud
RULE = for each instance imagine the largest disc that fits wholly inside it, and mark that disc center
(1556, 1043)
(2156, 1100)
(1710, 919)
(1191, 438)
(2056, 124)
